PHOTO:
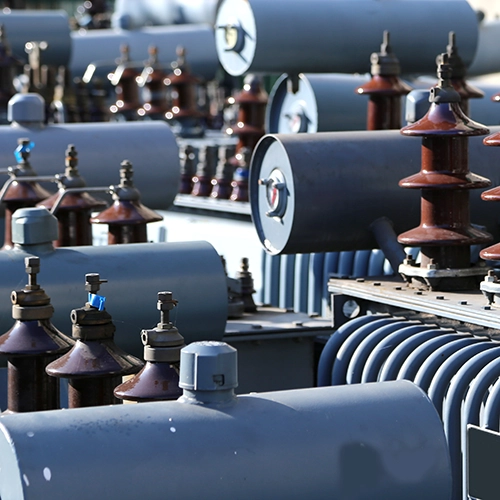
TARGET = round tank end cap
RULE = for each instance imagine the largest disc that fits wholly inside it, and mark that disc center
(33, 226)
(208, 366)
(26, 108)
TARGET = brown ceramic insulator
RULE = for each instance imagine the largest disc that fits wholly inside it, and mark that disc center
(222, 187)
(127, 221)
(251, 102)
(188, 169)
(184, 84)
(465, 90)
(385, 89)
(445, 233)
(127, 217)
(159, 379)
(492, 252)
(152, 80)
(126, 89)
(384, 104)
(73, 216)
(208, 158)
(155, 382)
(240, 180)
(95, 364)
(30, 345)
(73, 213)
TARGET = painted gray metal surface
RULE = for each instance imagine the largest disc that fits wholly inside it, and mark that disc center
(315, 36)
(150, 146)
(355, 438)
(50, 26)
(135, 273)
(102, 47)
(485, 60)
(323, 103)
(338, 183)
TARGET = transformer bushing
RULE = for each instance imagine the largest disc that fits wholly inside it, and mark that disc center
(127, 217)
(184, 111)
(385, 89)
(251, 102)
(188, 168)
(95, 364)
(247, 287)
(224, 174)
(152, 82)
(241, 174)
(30, 345)
(380, 440)
(465, 90)
(73, 213)
(490, 286)
(21, 194)
(159, 378)
(124, 80)
(236, 306)
(208, 158)
(445, 233)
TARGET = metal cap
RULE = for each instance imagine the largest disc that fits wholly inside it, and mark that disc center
(26, 108)
(33, 226)
(208, 366)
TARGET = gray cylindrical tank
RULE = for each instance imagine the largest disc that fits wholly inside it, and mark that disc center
(320, 192)
(486, 60)
(135, 272)
(150, 146)
(50, 26)
(323, 102)
(379, 440)
(318, 36)
(102, 47)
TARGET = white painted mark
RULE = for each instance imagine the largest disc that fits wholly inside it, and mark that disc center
(30, 434)
(26, 480)
(172, 429)
(47, 474)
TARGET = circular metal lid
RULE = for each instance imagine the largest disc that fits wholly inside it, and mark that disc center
(272, 194)
(235, 36)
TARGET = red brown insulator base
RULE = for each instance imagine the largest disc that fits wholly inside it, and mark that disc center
(155, 382)
(85, 392)
(384, 105)
(29, 388)
(127, 221)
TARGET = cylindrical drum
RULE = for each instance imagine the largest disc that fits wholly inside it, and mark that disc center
(135, 274)
(379, 440)
(51, 26)
(318, 36)
(149, 146)
(323, 102)
(320, 192)
(102, 48)
(485, 61)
